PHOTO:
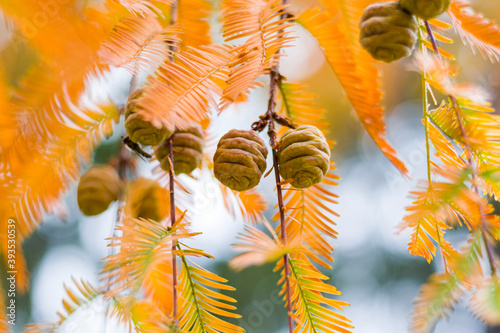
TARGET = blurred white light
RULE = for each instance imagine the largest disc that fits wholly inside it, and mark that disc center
(92, 318)
(95, 230)
(303, 60)
(57, 267)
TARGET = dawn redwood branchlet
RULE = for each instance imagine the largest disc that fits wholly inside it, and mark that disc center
(53, 123)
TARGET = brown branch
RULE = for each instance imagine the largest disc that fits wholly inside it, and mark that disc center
(272, 137)
(172, 222)
(122, 166)
(123, 161)
(173, 20)
(470, 161)
(275, 79)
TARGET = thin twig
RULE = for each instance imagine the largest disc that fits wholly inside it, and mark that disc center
(172, 222)
(173, 20)
(470, 161)
(270, 115)
(272, 136)
(123, 163)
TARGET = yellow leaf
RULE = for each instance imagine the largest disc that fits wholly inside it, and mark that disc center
(266, 34)
(138, 44)
(338, 36)
(144, 7)
(251, 203)
(199, 302)
(310, 303)
(485, 301)
(182, 91)
(475, 30)
(436, 298)
(194, 18)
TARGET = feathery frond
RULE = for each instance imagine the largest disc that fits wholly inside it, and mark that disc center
(193, 19)
(338, 36)
(260, 22)
(466, 265)
(144, 7)
(312, 309)
(444, 149)
(435, 300)
(475, 30)
(85, 295)
(257, 248)
(40, 170)
(309, 211)
(299, 105)
(143, 316)
(480, 127)
(251, 204)
(183, 90)
(485, 301)
(145, 255)
(436, 208)
(438, 296)
(35, 172)
(440, 74)
(70, 36)
(426, 225)
(200, 305)
(53, 131)
(138, 44)
(438, 26)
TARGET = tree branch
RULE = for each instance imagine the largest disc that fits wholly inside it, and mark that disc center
(173, 20)
(275, 79)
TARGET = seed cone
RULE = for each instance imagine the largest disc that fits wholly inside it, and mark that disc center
(140, 130)
(188, 150)
(147, 199)
(240, 160)
(98, 188)
(426, 9)
(304, 156)
(388, 32)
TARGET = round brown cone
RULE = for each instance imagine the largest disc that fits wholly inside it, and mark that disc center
(304, 156)
(426, 9)
(188, 150)
(388, 32)
(97, 189)
(240, 160)
(147, 199)
(140, 130)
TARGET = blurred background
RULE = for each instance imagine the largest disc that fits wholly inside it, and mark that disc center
(372, 266)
